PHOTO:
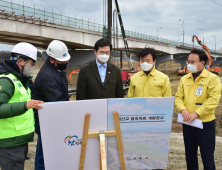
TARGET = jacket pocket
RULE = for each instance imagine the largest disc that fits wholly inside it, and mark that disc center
(156, 87)
(155, 90)
(24, 121)
(204, 90)
(112, 85)
(22, 90)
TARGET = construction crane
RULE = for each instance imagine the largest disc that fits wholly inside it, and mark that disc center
(71, 73)
(209, 67)
(122, 30)
(107, 33)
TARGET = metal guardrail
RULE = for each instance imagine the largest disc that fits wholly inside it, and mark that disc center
(36, 15)
(42, 17)
(198, 47)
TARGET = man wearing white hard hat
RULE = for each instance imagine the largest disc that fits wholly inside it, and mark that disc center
(16, 106)
(51, 85)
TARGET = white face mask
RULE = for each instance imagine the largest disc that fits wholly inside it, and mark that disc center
(103, 58)
(28, 70)
(146, 66)
(192, 68)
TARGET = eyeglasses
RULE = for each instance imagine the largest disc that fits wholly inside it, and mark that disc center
(191, 62)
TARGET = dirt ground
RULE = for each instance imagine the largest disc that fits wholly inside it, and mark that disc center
(176, 158)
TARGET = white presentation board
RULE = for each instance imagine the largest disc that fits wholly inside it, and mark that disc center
(62, 119)
(145, 126)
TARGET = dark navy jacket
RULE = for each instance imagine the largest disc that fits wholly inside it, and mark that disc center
(50, 85)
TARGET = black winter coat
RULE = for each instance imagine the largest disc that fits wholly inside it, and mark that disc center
(50, 85)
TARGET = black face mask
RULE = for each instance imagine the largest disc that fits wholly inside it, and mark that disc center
(61, 66)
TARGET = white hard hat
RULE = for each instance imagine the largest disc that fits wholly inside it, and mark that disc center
(25, 49)
(58, 50)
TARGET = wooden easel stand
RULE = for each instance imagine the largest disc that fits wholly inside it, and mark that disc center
(102, 134)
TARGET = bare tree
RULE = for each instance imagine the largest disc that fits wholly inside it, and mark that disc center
(5, 55)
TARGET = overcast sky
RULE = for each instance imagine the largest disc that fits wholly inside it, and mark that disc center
(147, 15)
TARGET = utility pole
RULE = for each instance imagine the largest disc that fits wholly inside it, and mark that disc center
(203, 36)
(215, 42)
(158, 29)
(110, 20)
(202, 33)
(183, 29)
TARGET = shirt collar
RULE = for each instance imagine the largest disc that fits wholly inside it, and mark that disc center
(99, 65)
(197, 74)
(151, 73)
(204, 73)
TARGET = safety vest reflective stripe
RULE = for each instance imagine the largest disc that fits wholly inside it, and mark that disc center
(14, 80)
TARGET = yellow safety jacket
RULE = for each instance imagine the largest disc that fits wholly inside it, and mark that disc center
(156, 84)
(205, 104)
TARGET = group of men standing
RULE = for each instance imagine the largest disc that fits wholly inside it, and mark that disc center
(99, 79)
